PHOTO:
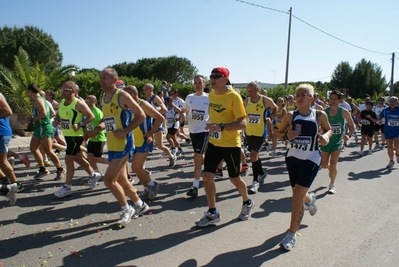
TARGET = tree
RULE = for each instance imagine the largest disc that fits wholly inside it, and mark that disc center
(342, 76)
(367, 79)
(40, 47)
(14, 83)
(396, 87)
(173, 69)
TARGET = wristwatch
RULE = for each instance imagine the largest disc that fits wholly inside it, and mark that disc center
(222, 126)
(81, 124)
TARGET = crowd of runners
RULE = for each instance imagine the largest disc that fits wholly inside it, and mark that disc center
(224, 129)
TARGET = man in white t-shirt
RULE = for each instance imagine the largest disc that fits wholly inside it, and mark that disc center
(178, 102)
(196, 107)
(379, 126)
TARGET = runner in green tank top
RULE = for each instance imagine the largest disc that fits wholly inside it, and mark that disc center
(43, 131)
(337, 117)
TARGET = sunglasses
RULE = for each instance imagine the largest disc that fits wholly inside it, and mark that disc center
(216, 76)
(67, 90)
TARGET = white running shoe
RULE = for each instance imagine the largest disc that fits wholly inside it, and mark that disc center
(94, 180)
(63, 192)
(12, 196)
(390, 164)
(331, 189)
(254, 187)
(312, 208)
(360, 153)
(370, 151)
(289, 241)
(126, 216)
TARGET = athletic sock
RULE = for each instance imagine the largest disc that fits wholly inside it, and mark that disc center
(255, 170)
(196, 183)
(248, 202)
(125, 207)
(212, 211)
(139, 203)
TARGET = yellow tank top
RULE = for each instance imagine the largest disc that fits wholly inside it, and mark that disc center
(116, 118)
(290, 107)
(225, 108)
(142, 129)
(278, 119)
(255, 117)
(70, 116)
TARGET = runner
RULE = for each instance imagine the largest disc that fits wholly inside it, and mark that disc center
(43, 131)
(9, 191)
(255, 108)
(379, 126)
(196, 107)
(71, 112)
(281, 111)
(144, 143)
(172, 117)
(226, 120)
(391, 117)
(97, 139)
(368, 119)
(158, 104)
(178, 102)
(118, 107)
(303, 157)
(330, 153)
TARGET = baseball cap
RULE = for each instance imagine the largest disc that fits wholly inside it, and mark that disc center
(120, 84)
(222, 71)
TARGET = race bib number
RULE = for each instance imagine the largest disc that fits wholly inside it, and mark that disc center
(365, 122)
(336, 128)
(254, 118)
(393, 122)
(197, 115)
(215, 135)
(89, 126)
(110, 124)
(65, 124)
(301, 143)
(170, 121)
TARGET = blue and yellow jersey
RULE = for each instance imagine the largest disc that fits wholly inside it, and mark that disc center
(256, 115)
(116, 118)
(70, 116)
(140, 131)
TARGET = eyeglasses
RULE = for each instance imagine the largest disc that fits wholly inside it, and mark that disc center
(216, 76)
(301, 95)
(67, 90)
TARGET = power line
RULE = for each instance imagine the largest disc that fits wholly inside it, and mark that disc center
(314, 27)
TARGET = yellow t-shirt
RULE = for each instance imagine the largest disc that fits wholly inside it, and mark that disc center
(255, 117)
(116, 118)
(70, 116)
(225, 108)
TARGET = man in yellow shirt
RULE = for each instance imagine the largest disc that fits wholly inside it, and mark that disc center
(226, 119)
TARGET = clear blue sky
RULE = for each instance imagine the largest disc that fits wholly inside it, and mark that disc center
(250, 41)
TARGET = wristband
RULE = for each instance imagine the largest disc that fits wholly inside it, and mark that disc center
(81, 124)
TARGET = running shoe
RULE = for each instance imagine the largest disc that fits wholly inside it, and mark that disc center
(179, 152)
(126, 216)
(94, 180)
(331, 189)
(273, 153)
(244, 170)
(192, 192)
(289, 241)
(397, 158)
(208, 219)
(343, 148)
(219, 173)
(11, 160)
(173, 151)
(46, 164)
(63, 192)
(20, 187)
(262, 177)
(254, 187)
(152, 190)
(370, 152)
(172, 161)
(40, 174)
(59, 175)
(360, 153)
(246, 211)
(25, 160)
(390, 164)
(188, 141)
(4, 180)
(312, 208)
(11, 195)
(356, 138)
(140, 210)
(143, 194)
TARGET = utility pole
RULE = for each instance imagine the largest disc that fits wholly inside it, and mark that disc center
(392, 89)
(288, 54)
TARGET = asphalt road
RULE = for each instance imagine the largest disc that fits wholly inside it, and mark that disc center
(355, 227)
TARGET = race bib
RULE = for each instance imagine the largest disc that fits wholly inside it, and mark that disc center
(336, 128)
(301, 143)
(89, 126)
(393, 122)
(365, 122)
(215, 135)
(170, 121)
(65, 124)
(254, 118)
(110, 124)
(197, 115)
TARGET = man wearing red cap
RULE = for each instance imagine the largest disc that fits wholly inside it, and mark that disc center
(226, 119)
